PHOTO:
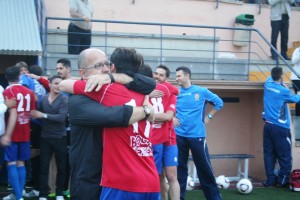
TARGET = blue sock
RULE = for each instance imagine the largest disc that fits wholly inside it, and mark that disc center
(22, 177)
(13, 178)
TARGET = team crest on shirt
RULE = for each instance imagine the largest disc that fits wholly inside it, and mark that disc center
(141, 146)
(23, 118)
(197, 97)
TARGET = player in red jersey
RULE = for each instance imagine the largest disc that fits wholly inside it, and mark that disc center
(128, 164)
(163, 100)
(166, 151)
(17, 134)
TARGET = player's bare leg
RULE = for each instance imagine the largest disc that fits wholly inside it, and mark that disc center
(174, 188)
(164, 186)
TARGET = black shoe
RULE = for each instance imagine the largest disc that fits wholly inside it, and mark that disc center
(274, 57)
(285, 185)
(286, 57)
(266, 184)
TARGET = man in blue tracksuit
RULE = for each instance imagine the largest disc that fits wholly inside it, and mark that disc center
(190, 131)
(277, 136)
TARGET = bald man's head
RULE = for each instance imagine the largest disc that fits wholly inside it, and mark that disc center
(89, 56)
(92, 61)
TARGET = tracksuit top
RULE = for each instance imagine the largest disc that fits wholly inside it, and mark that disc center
(276, 97)
(190, 110)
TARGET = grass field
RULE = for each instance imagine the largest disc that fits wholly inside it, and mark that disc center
(229, 194)
(256, 194)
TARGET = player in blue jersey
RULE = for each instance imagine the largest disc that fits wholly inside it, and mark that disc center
(190, 131)
(277, 135)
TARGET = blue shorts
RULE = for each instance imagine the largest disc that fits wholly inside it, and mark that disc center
(17, 151)
(115, 194)
(170, 156)
(158, 155)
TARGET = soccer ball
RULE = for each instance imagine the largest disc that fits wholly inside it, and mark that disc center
(222, 182)
(189, 183)
(244, 186)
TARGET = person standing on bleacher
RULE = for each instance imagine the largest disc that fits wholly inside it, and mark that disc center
(279, 16)
(79, 32)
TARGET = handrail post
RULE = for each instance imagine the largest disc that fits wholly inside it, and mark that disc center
(161, 44)
(214, 53)
(45, 41)
(249, 51)
(105, 43)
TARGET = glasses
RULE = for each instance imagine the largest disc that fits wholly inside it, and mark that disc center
(100, 65)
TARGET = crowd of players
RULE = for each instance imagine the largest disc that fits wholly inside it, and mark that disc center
(123, 131)
(142, 139)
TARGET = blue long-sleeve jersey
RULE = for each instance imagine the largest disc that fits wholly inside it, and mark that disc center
(190, 110)
(276, 99)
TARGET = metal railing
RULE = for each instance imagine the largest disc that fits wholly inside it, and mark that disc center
(178, 43)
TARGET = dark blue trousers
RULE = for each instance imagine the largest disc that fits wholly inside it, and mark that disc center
(277, 147)
(78, 39)
(201, 159)
(282, 27)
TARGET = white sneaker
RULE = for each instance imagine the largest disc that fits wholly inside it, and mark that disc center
(10, 197)
(60, 198)
(42, 198)
(32, 193)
